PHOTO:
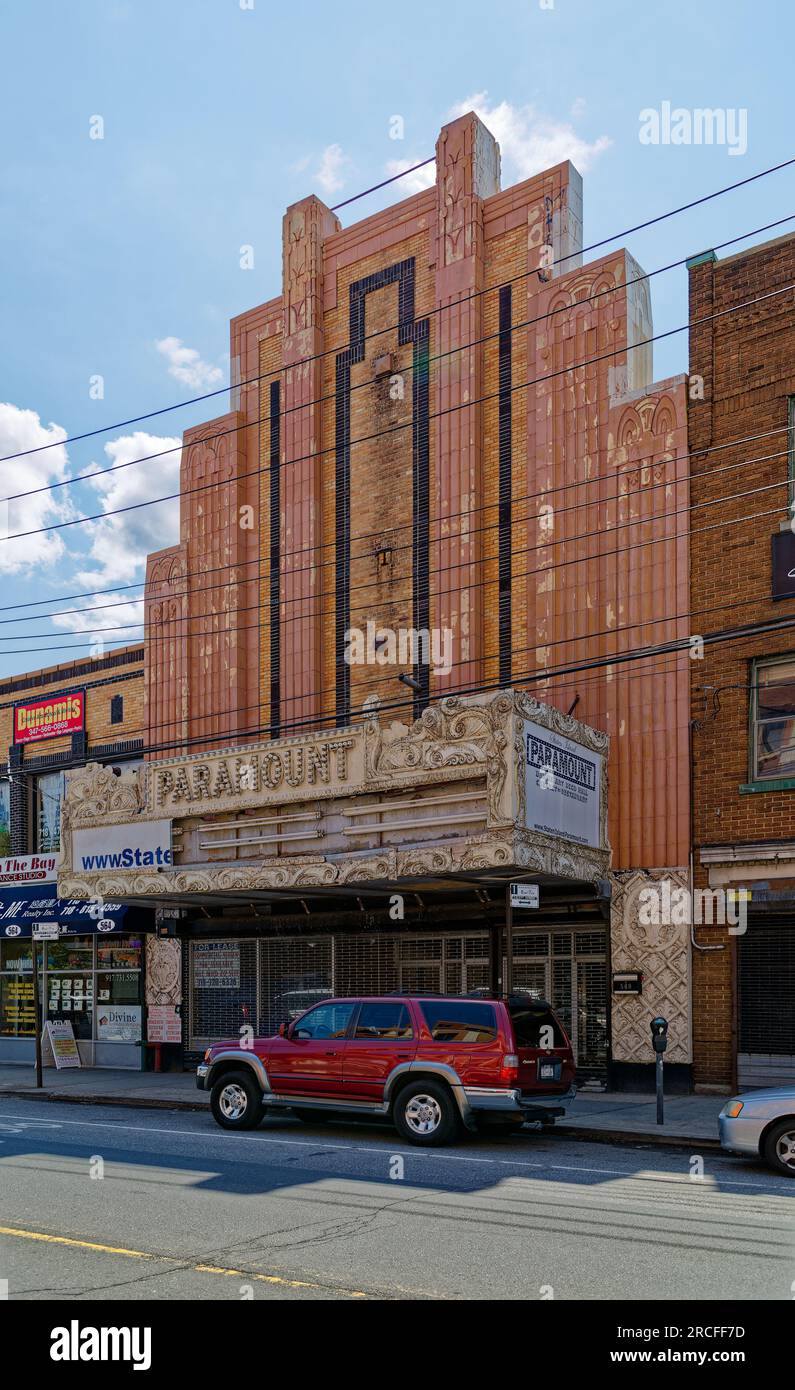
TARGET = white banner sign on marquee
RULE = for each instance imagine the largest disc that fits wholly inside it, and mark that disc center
(141, 844)
(563, 786)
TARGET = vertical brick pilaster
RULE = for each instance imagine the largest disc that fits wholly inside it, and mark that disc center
(467, 171)
(306, 224)
(701, 296)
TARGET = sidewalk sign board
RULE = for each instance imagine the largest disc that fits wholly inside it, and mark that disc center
(61, 1039)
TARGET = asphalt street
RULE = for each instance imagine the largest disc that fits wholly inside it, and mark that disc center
(120, 1203)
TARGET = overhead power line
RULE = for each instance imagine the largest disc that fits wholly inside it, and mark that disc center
(395, 429)
(304, 361)
(476, 562)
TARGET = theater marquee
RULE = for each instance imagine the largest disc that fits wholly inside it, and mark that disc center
(490, 783)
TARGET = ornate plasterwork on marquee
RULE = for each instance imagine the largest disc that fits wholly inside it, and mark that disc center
(452, 740)
(662, 952)
(451, 735)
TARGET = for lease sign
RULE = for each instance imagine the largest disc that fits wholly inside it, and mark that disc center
(50, 718)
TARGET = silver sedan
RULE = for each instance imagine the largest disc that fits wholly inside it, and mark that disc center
(762, 1124)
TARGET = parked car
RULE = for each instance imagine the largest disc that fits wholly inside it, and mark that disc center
(430, 1064)
(762, 1124)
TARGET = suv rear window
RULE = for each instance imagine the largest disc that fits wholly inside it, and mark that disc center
(459, 1021)
(383, 1021)
(529, 1019)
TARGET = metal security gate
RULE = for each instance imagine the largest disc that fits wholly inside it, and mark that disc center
(766, 1002)
(264, 981)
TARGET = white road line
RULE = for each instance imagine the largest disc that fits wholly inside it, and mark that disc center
(663, 1176)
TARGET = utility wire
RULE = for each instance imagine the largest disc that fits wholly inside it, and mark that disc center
(678, 645)
(475, 562)
(404, 526)
(395, 429)
(304, 361)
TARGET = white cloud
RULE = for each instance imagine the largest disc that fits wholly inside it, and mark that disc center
(528, 140)
(414, 182)
(120, 544)
(330, 173)
(187, 366)
(20, 430)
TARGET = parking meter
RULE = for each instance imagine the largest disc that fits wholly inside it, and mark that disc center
(659, 1041)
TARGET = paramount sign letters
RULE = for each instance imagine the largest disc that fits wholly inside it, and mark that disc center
(260, 770)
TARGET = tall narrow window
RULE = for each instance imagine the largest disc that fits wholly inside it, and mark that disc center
(773, 719)
(49, 792)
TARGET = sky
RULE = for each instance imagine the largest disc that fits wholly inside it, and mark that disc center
(143, 144)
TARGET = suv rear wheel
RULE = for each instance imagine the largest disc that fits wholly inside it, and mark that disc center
(235, 1101)
(425, 1113)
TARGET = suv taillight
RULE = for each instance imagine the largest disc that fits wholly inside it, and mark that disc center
(509, 1071)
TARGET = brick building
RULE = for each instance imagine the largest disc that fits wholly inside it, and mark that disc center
(444, 423)
(52, 722)
(742, 441)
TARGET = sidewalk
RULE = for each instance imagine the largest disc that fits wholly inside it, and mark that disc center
(610, 1117)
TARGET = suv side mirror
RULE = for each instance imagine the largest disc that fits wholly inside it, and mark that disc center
(283, 1029)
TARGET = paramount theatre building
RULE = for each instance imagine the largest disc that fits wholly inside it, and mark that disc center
(444, 426)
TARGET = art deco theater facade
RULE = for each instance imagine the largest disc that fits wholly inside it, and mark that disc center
(443, 425)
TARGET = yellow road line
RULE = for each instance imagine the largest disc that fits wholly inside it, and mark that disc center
(171, 1259)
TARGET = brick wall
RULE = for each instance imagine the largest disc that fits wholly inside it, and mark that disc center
(117, 673)
(406, 499)
(746, 360)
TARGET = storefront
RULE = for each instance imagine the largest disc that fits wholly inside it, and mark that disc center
(90, 976)
(760, 952)
(369, 858)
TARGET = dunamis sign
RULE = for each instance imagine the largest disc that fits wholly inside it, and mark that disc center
(50, 718)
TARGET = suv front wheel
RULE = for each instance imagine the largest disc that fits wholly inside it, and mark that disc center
(235, 1101)
(425, 1113)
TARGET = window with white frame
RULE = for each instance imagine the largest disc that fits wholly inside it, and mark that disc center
(773, 718)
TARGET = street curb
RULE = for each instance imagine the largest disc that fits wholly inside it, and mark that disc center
(595, 1136)
(626, 1136)
(131, 1102)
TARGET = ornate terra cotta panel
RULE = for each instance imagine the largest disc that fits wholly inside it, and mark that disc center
(662, 951)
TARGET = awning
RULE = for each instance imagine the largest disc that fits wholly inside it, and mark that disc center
(21, 907)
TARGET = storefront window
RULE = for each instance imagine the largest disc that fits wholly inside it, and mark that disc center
(103, 1005)
(116, 952)
(71, 998)
(17, 1018)
(49, 794)
(70, 953)
(5, 816)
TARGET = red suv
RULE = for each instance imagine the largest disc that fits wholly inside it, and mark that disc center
(429, 1063)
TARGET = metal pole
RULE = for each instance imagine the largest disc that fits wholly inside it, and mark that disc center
(659, 1079)
(39, 1022)
(508, 941)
